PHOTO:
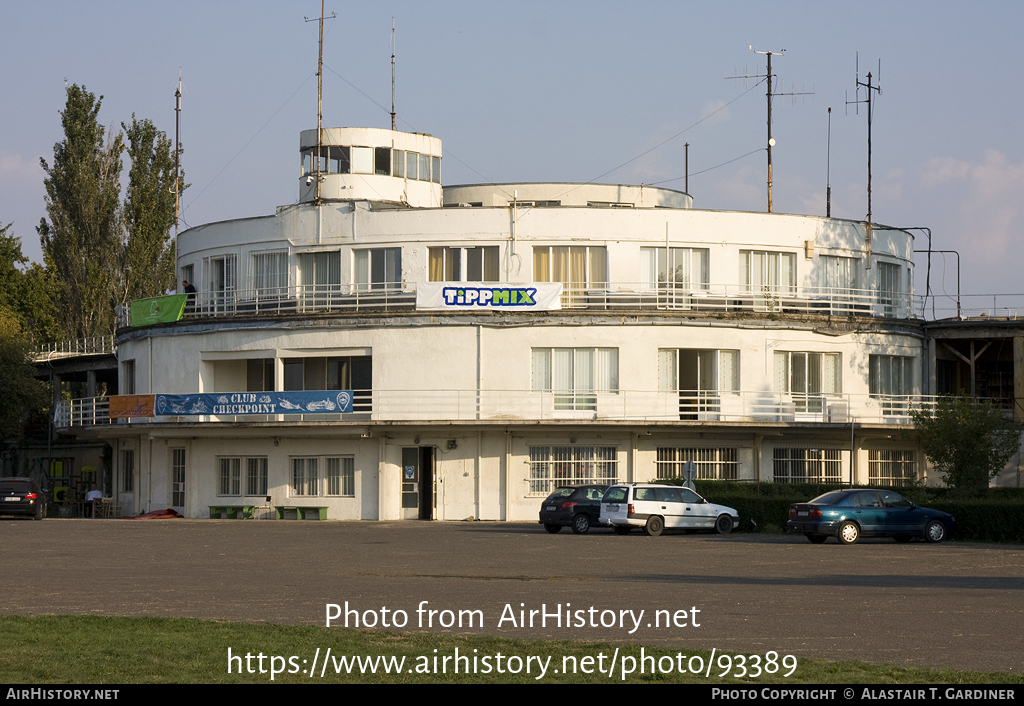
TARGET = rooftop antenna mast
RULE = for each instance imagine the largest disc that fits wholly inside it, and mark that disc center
(857, 102)
(392, 73)
(319, 102)
(828, 168)
(769, 94)
(177, 155)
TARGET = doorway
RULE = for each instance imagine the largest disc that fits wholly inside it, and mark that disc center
(418, 483)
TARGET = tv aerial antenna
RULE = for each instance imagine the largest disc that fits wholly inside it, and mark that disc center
(320, 98)
(769, 94)
(856, 102)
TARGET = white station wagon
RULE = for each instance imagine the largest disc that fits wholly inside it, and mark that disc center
(658, 507)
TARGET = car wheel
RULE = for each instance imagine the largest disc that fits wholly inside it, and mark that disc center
(935, 531)
(553, 529)
(622, 529)
(723, 525)
(817, 538)
(580, 524)
(848, 533)
(902, 539)
(40, 512)
(654, 526)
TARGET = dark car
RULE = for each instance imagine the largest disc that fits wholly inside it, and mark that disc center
(22, 496)
(578, 507)
(849, 515)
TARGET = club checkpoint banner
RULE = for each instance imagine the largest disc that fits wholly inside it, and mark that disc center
(235, 403)
(158, 310)
(532, 296)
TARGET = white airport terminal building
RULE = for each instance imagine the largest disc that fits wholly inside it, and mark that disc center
(497, 340)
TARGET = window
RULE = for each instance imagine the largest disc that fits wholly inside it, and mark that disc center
(552, 466)
(330, 159)
(128, 470)
(187, 275)
(126, 383)
(698, 376)
(320, 271)
(178, 478)
(674, 268)
(219, 279)
(578, 268)
(380, 268)
(479, 264)
(230, 476)
(333, 373)
(712, 464)
(575, 375)
(807, 465)
(256, 476)
(382, 161)
(892, 468)
(808, 378)
(891, 376)
(259, 375)
(268, 274)
(341, 476)
(768, 274)
(362, 160)
(304, 477)
(890, 294)
(838, 275)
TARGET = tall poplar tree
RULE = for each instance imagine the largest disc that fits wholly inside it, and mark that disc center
(146, 258)
(80, 240)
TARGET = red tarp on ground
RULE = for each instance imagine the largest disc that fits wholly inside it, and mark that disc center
(158, 515)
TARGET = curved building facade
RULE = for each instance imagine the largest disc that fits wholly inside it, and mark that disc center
(496, 340)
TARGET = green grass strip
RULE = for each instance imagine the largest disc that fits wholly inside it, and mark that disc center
(115, 650)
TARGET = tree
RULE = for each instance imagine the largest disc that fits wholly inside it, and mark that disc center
(25, 293)
(967, 440)
(19, 390)
(146, 258)
(82, 200)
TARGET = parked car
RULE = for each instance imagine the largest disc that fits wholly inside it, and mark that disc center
(657, 507)
(572, 506)
(849, 515)
(22, 496)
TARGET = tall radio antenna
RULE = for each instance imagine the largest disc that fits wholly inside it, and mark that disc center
(177, 155)
(392, 73)
(857, 102)
(770, 93)
(319, 102)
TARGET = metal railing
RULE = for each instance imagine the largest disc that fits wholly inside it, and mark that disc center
(373, 298)
(750, 406)
(96, 345)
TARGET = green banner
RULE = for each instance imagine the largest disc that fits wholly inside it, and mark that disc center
(158, 310)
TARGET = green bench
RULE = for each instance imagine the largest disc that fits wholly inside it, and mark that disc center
(248, 511)
(300, 511)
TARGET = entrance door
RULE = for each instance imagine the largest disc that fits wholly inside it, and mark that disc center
(178, 480)
(418, 483)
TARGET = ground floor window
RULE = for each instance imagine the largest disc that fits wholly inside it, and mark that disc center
(230, 479)
(807, 465)
(339, 477)
(553, 466)
(892, 468)
(712, 464)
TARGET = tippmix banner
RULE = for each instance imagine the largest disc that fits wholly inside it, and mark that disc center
(532, 296)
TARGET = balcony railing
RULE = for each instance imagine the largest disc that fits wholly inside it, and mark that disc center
(375, 298)
(523, 405)
(96, 345)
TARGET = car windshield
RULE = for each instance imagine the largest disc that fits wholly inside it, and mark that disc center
(833, 498)
(561, 493)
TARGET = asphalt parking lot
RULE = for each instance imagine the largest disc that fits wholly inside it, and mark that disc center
(956, 604)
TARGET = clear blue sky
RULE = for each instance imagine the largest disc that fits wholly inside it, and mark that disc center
(557, 91)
